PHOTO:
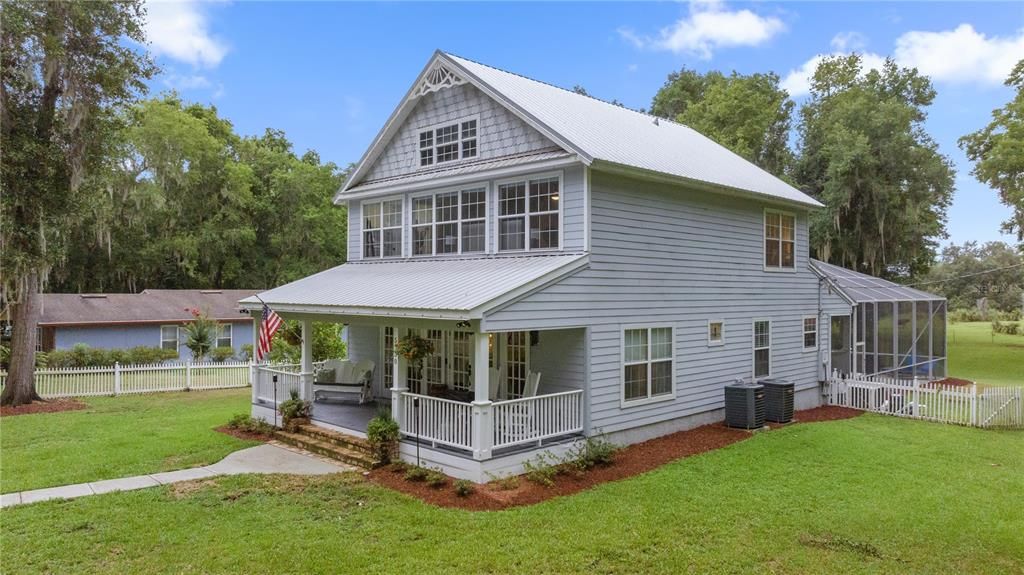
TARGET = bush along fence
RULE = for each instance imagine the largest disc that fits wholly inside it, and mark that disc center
(988, 407)
(120, 379)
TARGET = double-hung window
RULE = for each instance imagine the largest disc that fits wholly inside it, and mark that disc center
(449, 223)
(810, 332)
(762, 348)
(779, 240)
(382, 229)
(647, 365)
(449, 142)
(224, 335)
(528, 214)
(169, 337)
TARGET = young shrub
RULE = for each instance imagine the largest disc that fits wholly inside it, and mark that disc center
(416, 473)
(591, 453)
(506, 483)
(436, 479)
(294, 411)
(239, 421)
(222, 354)
(464, 488)
(382, 434)
(200, 333)
(249, 424)
(542, 470)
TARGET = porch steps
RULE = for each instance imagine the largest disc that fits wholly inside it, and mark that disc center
(345, 448)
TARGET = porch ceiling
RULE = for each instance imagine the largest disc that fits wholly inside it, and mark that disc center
(451, 288)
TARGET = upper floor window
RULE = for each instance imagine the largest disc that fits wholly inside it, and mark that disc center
(528, 214)
(779, 240)
(448, 142)
(449, 223)
(382, 229)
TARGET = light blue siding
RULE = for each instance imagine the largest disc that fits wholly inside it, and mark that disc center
(676, 257)
(499, 132)
(128, 336)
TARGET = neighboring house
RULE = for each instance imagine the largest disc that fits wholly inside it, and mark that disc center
(153, 318)
(612, 271)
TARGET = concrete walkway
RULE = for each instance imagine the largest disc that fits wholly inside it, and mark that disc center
(265, 458)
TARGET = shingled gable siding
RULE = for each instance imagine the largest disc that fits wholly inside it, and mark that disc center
(573, 213)
(499, 132)
(668, 256)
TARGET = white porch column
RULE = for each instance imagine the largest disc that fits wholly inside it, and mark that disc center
(257, 317)
(306, 369)
(483, 411)
(400, 385)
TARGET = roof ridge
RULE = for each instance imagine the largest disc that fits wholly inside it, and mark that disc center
(595, 98)
(464, 258)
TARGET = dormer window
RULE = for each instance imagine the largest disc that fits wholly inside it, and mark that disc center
(449, 142)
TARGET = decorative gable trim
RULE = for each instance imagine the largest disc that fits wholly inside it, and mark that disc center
(438, 77)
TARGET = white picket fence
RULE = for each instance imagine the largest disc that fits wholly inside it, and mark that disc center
(120, 379)
(988, 407)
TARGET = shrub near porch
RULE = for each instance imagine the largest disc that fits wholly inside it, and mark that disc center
(864, 495)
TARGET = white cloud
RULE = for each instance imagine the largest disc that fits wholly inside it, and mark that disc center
(185, 82)
(709, 26)
(847, 41)
(798, 81)
(960, 55)
(179, 31)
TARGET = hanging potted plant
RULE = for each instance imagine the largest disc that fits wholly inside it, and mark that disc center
(414, 349)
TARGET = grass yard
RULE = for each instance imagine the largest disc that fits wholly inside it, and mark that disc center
(118, 436)
(866, 495)
(976, 355)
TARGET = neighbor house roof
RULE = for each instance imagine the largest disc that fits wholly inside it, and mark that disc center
(599, 133)
(150, 306)
(455, 288)
(859, 287)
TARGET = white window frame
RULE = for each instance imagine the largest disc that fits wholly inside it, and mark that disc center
(526, 179)
(754, 349)
(230, 337)
(764, 241)
(363, 229)
(177, 336)
(458, 142)
(804, 332)
(458, 222)
(671, 396)
(721, 339)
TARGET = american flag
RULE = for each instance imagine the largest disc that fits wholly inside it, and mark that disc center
(268, 327)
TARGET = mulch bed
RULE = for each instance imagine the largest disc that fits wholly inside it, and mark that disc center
(953, 381)
(632, 460)
(242, 434)
(50, 406)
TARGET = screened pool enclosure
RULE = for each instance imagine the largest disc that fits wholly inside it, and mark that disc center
(893, 330)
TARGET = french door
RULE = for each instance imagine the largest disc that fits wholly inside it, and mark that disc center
(510, 362)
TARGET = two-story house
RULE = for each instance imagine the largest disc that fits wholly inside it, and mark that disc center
(579, 267)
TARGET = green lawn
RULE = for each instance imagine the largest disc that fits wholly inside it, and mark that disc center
(118, 436)
(976, 355)
(867, 495)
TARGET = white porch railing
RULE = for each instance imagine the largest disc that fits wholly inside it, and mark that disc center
(288, 379)
(513, 422)
(958, 405)
(534, 419)
(119, 379)
(437, 420)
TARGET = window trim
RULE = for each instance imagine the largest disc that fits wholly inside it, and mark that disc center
(177, 336)
(671, 396)
(754, 348)
(721, 340)
(362, 228)
(433, 133)
(527, 178)
(764, 241)
(230, 338)
(483, 185)
(804, 332)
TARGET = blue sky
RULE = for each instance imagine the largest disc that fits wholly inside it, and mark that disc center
(329, 74)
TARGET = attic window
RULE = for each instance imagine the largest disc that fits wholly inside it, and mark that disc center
(449, 142)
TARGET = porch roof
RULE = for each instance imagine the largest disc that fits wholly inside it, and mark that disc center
(449, 288)
(860, 287)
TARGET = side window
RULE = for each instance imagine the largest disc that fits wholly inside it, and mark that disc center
(647, 364)
(762, 348)
(779, 240)
(716, 332)
(810, 332)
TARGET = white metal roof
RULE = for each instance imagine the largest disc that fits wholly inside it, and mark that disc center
(599, 131)
(865, 288)
(461, 287)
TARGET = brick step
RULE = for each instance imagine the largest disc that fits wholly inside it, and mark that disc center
(336, 438)
(326, 449)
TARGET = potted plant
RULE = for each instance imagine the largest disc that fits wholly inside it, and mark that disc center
(383, 435)
(414, 349)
